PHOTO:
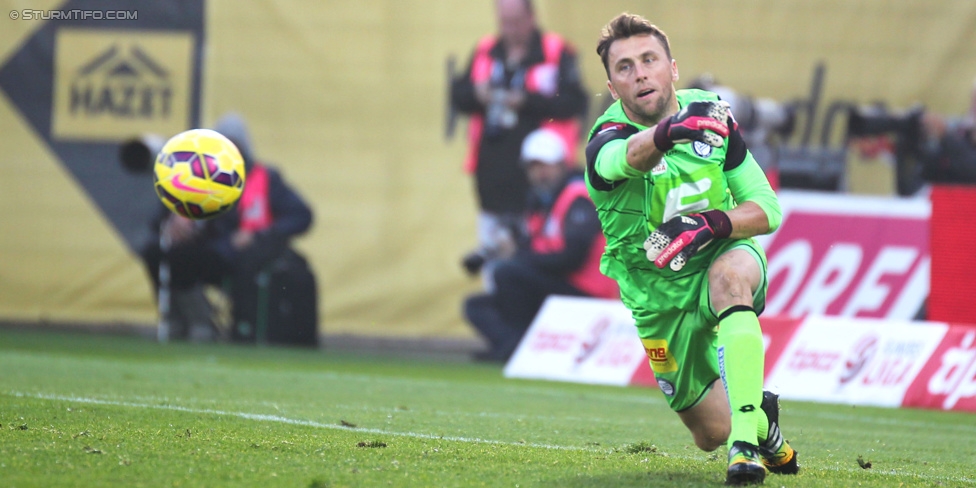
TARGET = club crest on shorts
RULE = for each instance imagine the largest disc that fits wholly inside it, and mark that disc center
(701, 149)
(666, 387)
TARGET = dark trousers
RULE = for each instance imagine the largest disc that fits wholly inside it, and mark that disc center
(196, 263)
(189, 264)
(503, 317)
(244, 274)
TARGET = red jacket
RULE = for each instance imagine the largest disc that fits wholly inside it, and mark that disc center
(546, 236)
(540, 78)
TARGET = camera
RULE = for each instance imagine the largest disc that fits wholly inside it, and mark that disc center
(877, 120)
(760, 116)
(498, 116)
(905, 127)
(137, 155)
(473, 261)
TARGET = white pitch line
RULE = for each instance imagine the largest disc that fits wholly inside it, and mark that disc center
(415, 435)
(289, 421)
(650, 396)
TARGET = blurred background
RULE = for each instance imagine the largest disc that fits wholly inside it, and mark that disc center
(349, 101)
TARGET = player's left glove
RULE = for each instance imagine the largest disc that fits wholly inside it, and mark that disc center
(704, 121)
(678, 239)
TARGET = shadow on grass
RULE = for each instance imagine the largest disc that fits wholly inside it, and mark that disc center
(647, 479)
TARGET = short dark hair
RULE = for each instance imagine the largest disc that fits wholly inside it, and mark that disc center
(625, 26)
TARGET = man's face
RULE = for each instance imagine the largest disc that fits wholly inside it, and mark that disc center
(642, 76)
(543, 176)
(515, 23)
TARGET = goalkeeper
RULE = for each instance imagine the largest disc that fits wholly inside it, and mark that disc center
(679, 198)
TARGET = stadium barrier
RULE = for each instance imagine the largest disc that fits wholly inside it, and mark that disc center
(952, 233)
(843, 360)
(848, 275)
(849, 256)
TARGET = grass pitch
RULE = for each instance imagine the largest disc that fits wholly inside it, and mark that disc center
(89, 410)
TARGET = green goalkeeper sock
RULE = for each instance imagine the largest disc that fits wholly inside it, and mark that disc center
(762, 430)
(740, 362)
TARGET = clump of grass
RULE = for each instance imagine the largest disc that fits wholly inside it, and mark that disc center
(640, 447)
(371, 444)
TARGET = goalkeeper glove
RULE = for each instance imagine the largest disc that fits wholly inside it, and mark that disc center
(678, 239)
(706, 122)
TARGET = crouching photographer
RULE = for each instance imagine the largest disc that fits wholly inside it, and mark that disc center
(246, 253)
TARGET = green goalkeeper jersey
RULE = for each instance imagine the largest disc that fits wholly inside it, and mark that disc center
(690, 178)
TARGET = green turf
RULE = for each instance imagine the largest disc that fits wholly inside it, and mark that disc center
(89, 410)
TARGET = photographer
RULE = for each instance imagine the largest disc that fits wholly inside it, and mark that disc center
(557, 251)
(927, 147)
(235, 251)
(516, 81)
(950, 150)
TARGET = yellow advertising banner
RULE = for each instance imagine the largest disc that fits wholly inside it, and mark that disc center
(348, 100)
(111, 84)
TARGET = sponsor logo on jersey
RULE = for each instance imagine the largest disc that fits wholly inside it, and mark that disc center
(661, 359)
(660, 168)
(611, 126)
(702, 149)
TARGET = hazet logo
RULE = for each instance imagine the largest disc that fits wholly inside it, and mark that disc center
(124, 83)
(111, 84)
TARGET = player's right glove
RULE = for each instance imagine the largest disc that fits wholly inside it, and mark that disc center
(704, 121)
(678, 239)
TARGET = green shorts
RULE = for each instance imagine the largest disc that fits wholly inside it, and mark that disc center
(681, 344)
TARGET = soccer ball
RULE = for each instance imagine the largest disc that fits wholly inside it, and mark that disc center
(199, 174)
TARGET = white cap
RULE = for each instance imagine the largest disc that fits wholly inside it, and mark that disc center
(544, 146)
